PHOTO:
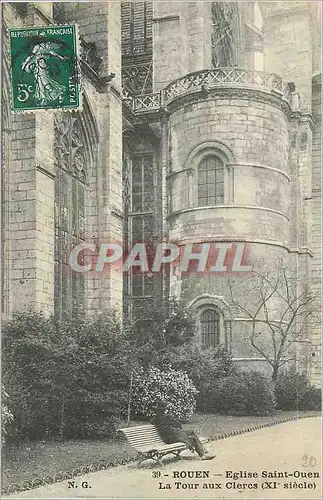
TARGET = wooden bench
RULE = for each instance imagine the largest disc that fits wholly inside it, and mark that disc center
(149, 445)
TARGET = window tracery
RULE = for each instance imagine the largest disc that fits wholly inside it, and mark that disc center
(69, 218)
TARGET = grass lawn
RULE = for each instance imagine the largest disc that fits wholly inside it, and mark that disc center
(28, 461)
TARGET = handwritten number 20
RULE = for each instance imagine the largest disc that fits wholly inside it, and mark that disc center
(308, 461)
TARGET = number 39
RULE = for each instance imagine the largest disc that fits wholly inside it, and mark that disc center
(24, 92)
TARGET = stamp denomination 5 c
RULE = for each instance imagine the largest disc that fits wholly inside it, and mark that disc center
(44, 68)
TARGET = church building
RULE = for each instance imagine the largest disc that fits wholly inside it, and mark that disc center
(200, 123)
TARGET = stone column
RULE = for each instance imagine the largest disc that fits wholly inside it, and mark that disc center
(106, 288)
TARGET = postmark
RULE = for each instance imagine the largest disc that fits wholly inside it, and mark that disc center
(44, 68)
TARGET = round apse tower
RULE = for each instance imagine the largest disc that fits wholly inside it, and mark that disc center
(229, 179)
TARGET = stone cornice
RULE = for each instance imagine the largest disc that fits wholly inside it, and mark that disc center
(307, 118)
(176, 172)
(164, 19)
(45, 170)
(257, 320)
(303, 118)
(244, 239)
(267, 167)
(217, 207)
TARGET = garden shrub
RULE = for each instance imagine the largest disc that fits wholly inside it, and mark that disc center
(204, 367)
(66, 378)
(171, 388)
(245, 393)
(312, 399)
(294, 392)
(159, 328)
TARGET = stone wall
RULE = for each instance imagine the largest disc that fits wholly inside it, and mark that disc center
(188, 48)
(316, 219)
(29, 202)
(101, 23)
(29, 176)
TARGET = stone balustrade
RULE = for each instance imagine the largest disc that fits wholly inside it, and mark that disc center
(206, 80)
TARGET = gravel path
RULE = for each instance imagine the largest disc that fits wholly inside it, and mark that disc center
(285, 448)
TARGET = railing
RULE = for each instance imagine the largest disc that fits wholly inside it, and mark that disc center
(208, 79)
(137, 78)
(147, 102)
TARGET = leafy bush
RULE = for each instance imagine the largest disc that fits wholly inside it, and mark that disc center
(294, 392)
(245, 393)
(312, 399)
(171, 388)
(159, 328)
(66, 378)
(204, 367)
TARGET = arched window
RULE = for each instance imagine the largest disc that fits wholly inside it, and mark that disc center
(210, 181)
(70, 178)
(210, 328)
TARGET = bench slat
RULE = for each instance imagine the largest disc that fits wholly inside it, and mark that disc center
(141, 440)
(143, 434)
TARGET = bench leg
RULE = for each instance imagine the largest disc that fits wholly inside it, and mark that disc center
(158, 458)
(141, 458)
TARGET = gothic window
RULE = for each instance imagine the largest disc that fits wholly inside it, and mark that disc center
(142, 183)
(210, 328)
(141, 219)
(210, 181)
(136, 43)
(70, 179)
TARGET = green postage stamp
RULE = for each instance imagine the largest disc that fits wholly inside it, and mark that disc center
(44, 68)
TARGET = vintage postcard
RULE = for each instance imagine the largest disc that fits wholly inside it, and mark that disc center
(161, 249)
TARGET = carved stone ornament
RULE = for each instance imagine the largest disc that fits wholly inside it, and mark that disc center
(69, 145)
